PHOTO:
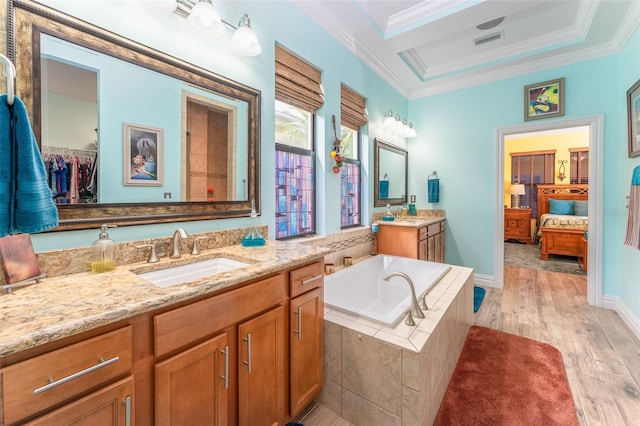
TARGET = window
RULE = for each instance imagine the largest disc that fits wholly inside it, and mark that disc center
(352, 117)
(579, 159)
(531, 169)
(298, 95)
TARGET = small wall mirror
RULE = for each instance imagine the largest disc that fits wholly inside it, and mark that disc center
(390, 174)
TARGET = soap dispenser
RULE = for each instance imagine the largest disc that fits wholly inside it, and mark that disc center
(388, 216)
(253, 237)
(103, 255)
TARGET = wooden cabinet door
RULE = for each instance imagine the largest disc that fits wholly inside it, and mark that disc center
(192, 387)
(111, 405)
(431, 251)
(423, 249)
(261, 369)
(306, 314)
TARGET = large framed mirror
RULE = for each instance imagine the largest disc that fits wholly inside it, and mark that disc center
(390, 174)
(168, 141)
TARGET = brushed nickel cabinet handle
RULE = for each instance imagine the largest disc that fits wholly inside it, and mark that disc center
(309, 280)
(54, 383)
(248, 361)
(225, 376)
(298, 312)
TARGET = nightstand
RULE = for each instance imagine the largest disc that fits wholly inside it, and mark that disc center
(517, 225)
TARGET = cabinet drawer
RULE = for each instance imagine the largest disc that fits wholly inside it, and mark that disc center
(423, 233)
(516, 232)
(39, 383)
(182, 326)
(434, 228)
(306, 278)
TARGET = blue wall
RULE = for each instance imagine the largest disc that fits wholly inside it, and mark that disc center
(628, 259)
(456, 129)
(457, 138)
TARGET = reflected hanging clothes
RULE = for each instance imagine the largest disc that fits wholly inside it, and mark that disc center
(26, 203)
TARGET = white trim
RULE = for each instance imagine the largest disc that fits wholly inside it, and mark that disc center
(484, 280)
(627, 316)
(596, 154)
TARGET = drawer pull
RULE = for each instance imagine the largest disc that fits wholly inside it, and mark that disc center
(52, 384)
(225, 377)
(310, 280)
(127, 410)
(298, 312)
(248, 361)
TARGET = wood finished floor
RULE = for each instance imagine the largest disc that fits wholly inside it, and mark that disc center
(601, 355)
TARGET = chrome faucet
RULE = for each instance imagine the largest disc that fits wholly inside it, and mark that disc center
(415, 308)
(177, 235)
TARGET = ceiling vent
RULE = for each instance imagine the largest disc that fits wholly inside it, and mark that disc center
(486, 39)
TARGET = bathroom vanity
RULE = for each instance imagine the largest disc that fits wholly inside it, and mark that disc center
(413, 237)
(240, 347)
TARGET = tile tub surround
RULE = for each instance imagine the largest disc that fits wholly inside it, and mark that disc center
(65, 305)
(73, 261)
(352, 242)
(375, 375)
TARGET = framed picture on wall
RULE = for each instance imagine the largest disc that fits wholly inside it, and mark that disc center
(142, 155)
(633, 119)
(544, 100)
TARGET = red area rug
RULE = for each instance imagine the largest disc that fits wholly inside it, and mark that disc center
(503, 379)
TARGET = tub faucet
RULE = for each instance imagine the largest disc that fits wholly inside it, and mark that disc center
(415, 308)
(177, 235)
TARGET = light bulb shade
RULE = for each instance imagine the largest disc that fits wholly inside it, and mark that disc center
(162, 6)
(205, 18)
(244, 40)
(397, 125)
(389, 120)
(517, 189)
(411, 132)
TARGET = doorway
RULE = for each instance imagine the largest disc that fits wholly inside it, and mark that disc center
(595, 125)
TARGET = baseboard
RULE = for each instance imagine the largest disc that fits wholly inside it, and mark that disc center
(485, 281)
(632, 321)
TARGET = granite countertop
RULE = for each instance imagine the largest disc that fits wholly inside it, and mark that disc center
(62, 306)
(412, 221)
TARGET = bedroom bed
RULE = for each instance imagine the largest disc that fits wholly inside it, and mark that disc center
(562, 234)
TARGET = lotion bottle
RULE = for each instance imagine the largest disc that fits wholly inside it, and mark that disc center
(103, 256)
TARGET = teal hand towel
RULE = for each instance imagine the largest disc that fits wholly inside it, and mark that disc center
(26, 202)
(433, 190)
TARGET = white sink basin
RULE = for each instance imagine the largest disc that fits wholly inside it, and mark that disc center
(168, 277)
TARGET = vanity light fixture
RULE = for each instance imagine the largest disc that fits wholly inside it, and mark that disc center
(398, 125)
(204, 17)
(389, 120)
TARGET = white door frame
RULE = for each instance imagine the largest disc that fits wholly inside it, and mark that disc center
(596, 144)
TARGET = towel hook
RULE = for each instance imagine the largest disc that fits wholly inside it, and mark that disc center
(10, 73)
(433, 174)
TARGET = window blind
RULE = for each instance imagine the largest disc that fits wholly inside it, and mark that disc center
(579, 165)
(352, 108)
(297, 82)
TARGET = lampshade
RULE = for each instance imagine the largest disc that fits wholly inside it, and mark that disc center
(206, 19)
(244, 40)
(411, 132)
(517, 189)
(389, 120)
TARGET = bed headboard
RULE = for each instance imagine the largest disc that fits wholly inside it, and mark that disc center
(560, 192)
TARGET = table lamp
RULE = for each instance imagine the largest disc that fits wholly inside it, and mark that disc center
(516, 190)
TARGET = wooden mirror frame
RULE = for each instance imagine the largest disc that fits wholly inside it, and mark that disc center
(28, 19)
(381, 202)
